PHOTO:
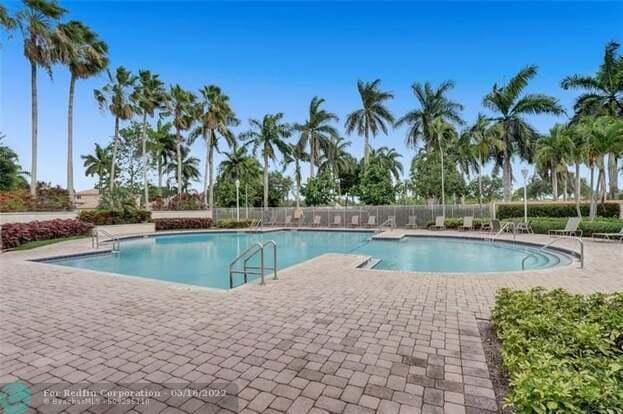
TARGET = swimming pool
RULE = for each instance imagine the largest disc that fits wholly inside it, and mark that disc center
(203, 259)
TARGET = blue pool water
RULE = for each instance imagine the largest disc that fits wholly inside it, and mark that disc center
(203, 259)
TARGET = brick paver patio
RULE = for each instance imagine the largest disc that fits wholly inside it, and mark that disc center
(326, 337)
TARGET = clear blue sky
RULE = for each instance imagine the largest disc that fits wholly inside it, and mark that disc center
(272, 57)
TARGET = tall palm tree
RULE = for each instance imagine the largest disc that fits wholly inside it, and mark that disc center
(189, 168)
(388, 158)
(433, 104)
(510, 107)
(148, 97)
(268, 137)
(37, 22)
(296, 155)
(317, 132)
(239, 165)
(215, 116)
(115, 97)
(553, 152)
(180, 105)
(373, 115)
(162, 147)
(6, 20)
(578, 156)
(82, 51)
(99, 164)
(603, 95)
(442, 134)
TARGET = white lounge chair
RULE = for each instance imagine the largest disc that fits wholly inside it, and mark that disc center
(412, 224)
(337, 221)
(440, 223)
(571, 228)
(371, 221)
(354, 221)
(609, 236)
(468, 223)
(288, 221)
(316, 222)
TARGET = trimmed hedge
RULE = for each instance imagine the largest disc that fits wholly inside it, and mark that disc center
(15, 234)
(454, 223)
(562, 352)
(505, 211)
(233, 224)
(102, 217)
(182, 223)
(541, 225)
(47, 199)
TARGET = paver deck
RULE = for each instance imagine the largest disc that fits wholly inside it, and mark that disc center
(326, 337)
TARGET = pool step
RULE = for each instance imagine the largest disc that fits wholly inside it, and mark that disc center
(370, 263)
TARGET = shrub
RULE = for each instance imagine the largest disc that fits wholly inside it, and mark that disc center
(15, 234)
(454, 223)
(505, 211)
(542, 225)
(179, 202)
(234, 224)
(48, 199)
(562, 352)
(102, 217)
(182, 223)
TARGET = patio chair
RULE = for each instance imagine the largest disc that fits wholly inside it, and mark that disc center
(412, 224)
(371, 221)
(571, 228)
(337, 221)
(608, 236)
(316, 222)
(288, 221)
(468, 223)
(354, 221)
(492, 227)
(440, 223)
(273, 220)
(523, 227)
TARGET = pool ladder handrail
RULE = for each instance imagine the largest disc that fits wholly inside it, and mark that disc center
(256, 225)
(390, 222)
(503, 229)
(95, 239)
(247, 270)
(533, 254)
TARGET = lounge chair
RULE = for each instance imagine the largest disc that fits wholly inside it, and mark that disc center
(412, 224)
(523, 227)
(288, 221)
(354, 221)
(608, 236)
(440, 223)
(468, 223)
(272, 221)
(571, 228)
(337, 221)
(316, 222)
(492, 227)
(371, 221)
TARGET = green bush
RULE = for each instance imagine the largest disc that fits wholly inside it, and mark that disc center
(562, 352)
(234, 224)
(102, 217)
(542, 225)
(505, 211)
(182, 223)
(454, 223)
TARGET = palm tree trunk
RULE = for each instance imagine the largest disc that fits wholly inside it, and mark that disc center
(480, 182)
(443, 184)
(555, 184)
(207, 167)
(178, 149)
(70, 139)
(298, 185)
(160, 176)
(113, 163)
(593, 208)
(366, 148)
(578, 189)
(613, 175)
(565, 186)
(145, 184)
(265, 180)
(211, 171)
(312, 159)
(34, 120)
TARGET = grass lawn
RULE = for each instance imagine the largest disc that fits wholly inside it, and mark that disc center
(40, 243)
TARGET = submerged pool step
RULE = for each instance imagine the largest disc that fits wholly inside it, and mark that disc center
(370, 263)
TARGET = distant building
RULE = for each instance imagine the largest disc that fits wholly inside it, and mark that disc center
(87, 199)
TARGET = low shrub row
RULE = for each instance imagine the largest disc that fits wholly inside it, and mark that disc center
(182, 223)
(234, 224)
(562, 352)
(505, 211)
(179, 202)
(15, 234)
(47, 199)
(454, 223)
(542, 225)
(101, 217)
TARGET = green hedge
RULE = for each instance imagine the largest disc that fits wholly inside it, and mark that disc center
(102, 217)
(454, 223)
(234, 224)
(562, 352)
(182, 223)
(504, 211)
(542, 225)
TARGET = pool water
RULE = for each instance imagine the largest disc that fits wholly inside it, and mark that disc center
(203, 259)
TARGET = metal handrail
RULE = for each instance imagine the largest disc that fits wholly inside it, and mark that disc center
(95, 239)
(533, 254)
(503, 229)
(390, 222)
(256, 225)
(247, 255)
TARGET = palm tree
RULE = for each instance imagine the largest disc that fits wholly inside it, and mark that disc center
(6, 20)
(578, 156)
(36, 21)
(603, 96)
(317, 132)
(510, 106)
(239, 165)
(180, 104)
(295, 156)
(485, 142)
(81, 50)
(189, 168)
(148, 96)
(268, 136)
(99, 164)
(388, 158)
(216, 117)
(433, 104)
(553, 152)
(162, 147)
(115, 97)
(373, 115)
(441, 136)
